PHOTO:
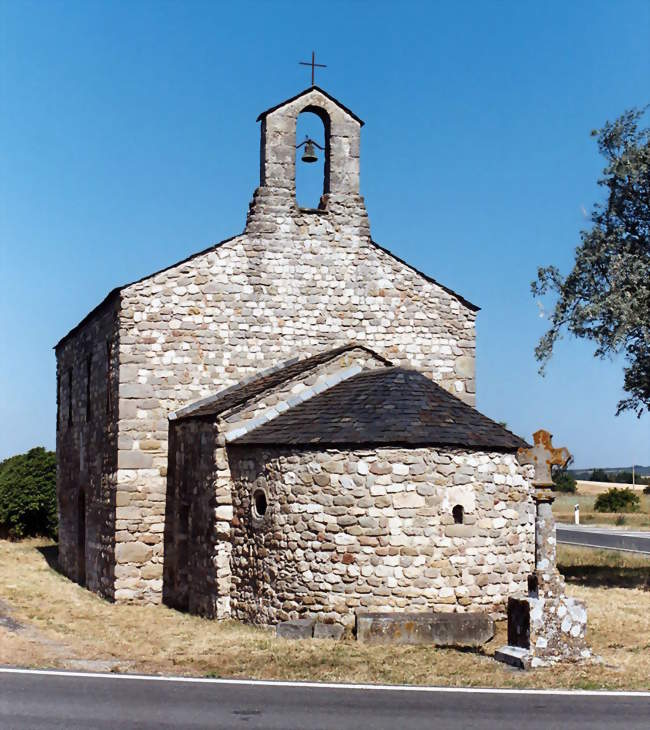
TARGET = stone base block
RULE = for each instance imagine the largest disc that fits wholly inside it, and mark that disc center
(440, 629)
(515, 656)
(328, 631)
(544, 629)
(302, 628)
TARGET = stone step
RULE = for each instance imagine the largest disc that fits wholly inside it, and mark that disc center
(440, 629)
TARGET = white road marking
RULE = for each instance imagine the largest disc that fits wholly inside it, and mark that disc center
(644, 534)
(603, 547)
(323, 685)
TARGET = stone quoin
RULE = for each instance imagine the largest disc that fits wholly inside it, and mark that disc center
(282, 426)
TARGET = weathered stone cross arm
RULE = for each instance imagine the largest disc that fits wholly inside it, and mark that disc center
(542, 455)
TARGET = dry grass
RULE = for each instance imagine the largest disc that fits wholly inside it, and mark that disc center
(603, 568)
(563, 511)
(66, 626)
(596, 488)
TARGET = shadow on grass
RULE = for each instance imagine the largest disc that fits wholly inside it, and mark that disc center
(604, 576)
(51, 555)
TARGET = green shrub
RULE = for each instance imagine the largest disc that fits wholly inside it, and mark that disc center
(28, 494)
(563, 481)
(646, 490)
(617, 500)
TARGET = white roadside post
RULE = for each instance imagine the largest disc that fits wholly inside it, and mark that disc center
(576, 514)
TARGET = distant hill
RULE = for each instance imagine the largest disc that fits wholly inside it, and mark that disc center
(641, 471)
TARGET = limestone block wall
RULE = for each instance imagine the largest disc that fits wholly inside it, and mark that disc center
(86, 448)
(247, 305)
(349, 530)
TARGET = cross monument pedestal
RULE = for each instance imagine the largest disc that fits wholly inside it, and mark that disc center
(545, 626)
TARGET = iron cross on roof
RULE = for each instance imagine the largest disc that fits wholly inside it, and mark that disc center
(313, 65)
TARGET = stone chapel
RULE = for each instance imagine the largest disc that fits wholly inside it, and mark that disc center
(283, 424)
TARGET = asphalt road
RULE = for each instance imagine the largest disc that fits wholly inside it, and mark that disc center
(54, 702)
(603, 537)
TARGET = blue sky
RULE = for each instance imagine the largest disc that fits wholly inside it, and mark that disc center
(128, 141)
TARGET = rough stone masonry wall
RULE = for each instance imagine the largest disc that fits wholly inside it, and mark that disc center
(198, 519)
(295, 282)
(86, 450)
(249, 304)
(191, 580)
(374, 530)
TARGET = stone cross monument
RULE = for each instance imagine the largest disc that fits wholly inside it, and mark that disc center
(545, 626)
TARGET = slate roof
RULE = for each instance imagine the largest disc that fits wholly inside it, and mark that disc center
(387, 406)
(271, 378)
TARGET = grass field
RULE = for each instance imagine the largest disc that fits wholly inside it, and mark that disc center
(563, 511)
(51, 622)
(585, 487)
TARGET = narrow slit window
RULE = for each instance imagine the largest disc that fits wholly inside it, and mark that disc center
(58, 399)
(458, 513)
(69, 396)
(89, 403)
(260, 503)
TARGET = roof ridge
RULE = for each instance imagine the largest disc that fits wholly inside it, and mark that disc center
(363, 409)
(460, 297)
(309, 363)
(114, 292)
(314, 87)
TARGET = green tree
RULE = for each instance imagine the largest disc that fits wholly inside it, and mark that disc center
(28, 494)
(606, 297)
(564, 481)
(598, 475)
(617, 500)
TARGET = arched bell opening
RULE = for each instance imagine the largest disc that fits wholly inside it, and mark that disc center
(312, 157)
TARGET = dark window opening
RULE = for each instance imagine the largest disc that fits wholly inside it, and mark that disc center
(458, 512)
(69, 396)
(58, 400)
(89, 407)
(259, 503)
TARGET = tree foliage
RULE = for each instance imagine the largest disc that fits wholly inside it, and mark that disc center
(617, 500)
(606, 297)
(28, 494)
(564, 481)
(598, 475)
(623, 477)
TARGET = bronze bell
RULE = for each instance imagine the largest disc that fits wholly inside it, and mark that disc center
(309, 154)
